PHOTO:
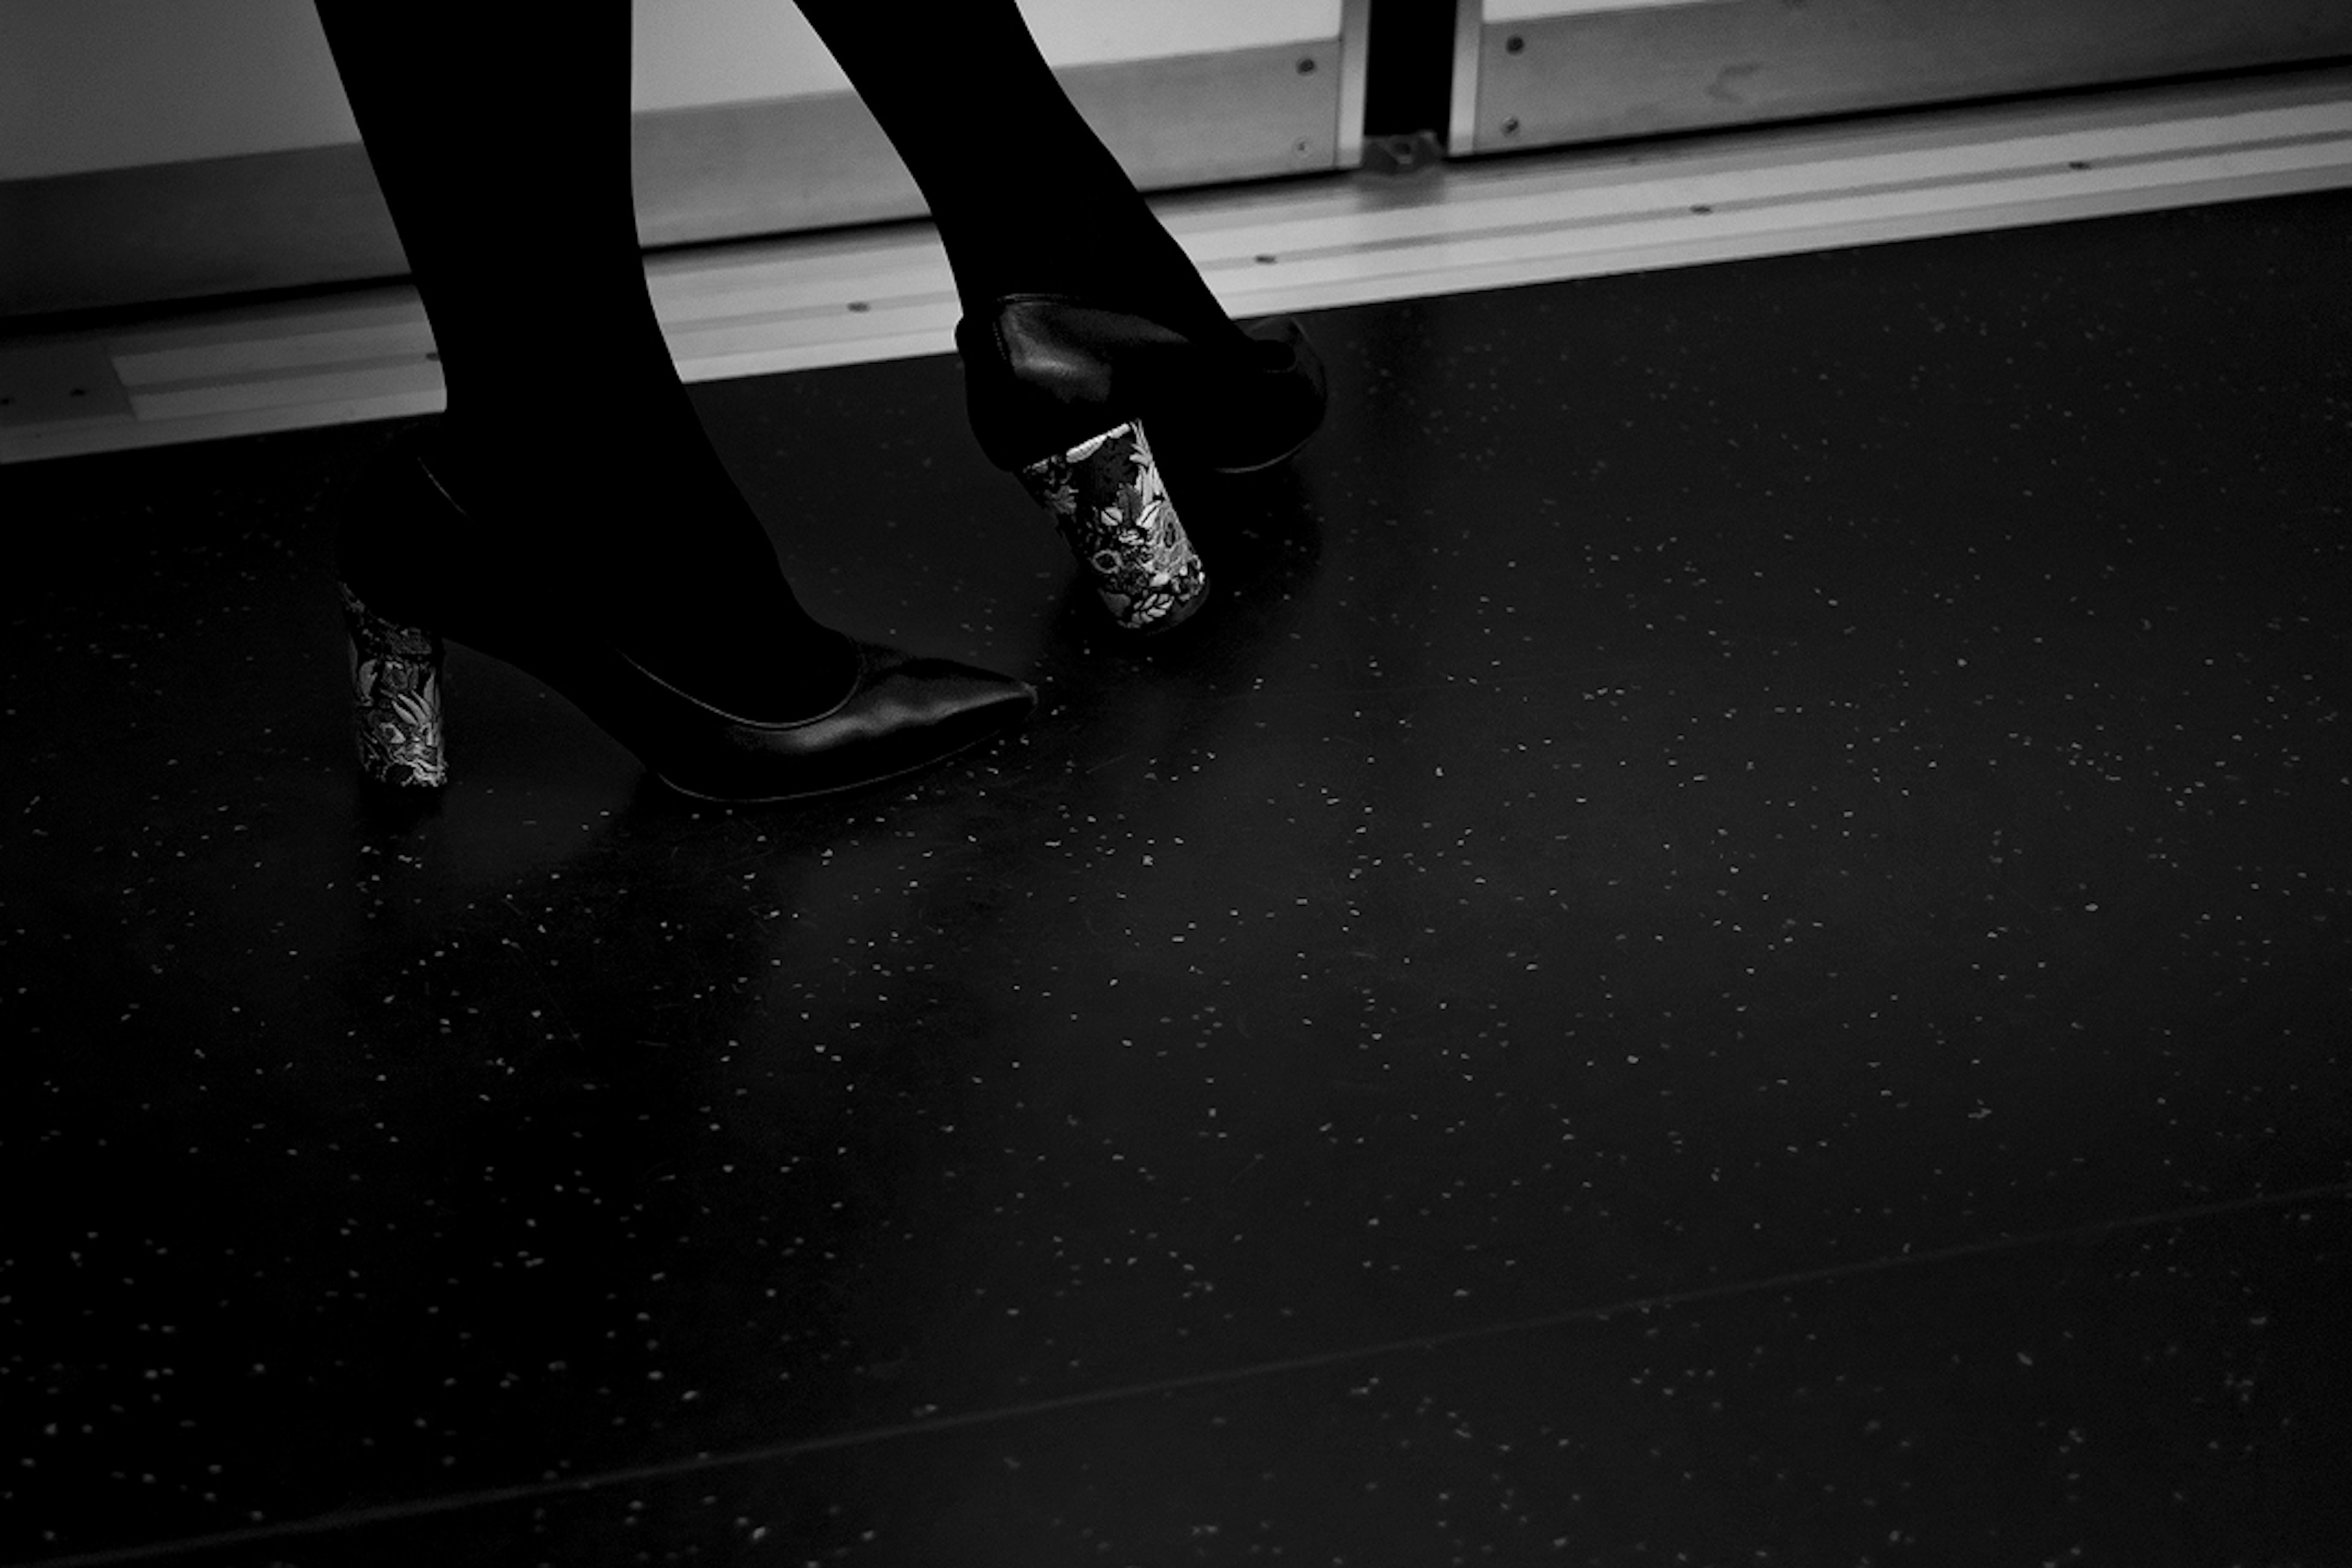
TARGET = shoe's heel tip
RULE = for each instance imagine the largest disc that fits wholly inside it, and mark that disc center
(1108, 500)
(395, 700)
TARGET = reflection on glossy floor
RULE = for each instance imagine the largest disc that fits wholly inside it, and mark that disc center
(1729, 945)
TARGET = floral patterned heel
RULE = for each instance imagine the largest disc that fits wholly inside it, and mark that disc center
(1108, 499)
(396, 697)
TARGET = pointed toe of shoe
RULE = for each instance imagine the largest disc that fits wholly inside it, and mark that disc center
(905, 713)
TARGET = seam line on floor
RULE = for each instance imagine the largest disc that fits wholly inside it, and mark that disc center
(460, 1502)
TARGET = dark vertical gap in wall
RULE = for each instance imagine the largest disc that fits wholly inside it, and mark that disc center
(1410, 84)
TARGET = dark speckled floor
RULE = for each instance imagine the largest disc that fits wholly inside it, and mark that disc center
(1730, 946)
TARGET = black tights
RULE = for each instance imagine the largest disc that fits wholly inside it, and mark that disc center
(503, 152)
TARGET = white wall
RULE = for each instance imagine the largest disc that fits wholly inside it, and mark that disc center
(103, 84)
(727, 51)
(1534, 10)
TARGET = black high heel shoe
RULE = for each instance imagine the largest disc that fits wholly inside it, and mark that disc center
(1059, 393)
(410, 579)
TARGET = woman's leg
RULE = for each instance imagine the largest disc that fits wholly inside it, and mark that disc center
(1029, 203)
(503, 151)
(1026, 197)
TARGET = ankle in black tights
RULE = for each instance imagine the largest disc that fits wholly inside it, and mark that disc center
(1058, 215)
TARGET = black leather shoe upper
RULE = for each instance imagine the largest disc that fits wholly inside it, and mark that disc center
(1044, 372)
